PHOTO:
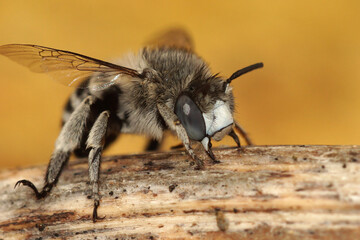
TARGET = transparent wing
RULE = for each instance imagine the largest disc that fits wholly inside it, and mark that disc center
(66, 67)
(174, 37)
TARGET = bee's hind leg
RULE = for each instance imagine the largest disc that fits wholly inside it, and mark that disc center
(68, 140)
(95, 142)
(43, 193)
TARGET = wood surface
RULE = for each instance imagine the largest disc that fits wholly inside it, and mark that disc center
(257, 192)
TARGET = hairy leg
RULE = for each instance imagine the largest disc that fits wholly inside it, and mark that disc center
(174, 124)
(68, 140)
(95, 142)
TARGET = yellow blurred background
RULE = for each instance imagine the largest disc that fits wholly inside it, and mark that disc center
(307, 93)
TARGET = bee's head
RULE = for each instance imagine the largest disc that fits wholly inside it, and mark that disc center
(206, 108)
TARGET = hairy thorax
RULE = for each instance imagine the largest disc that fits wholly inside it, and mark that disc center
(171, 72)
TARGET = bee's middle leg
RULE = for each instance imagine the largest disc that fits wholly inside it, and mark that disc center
(152, 145)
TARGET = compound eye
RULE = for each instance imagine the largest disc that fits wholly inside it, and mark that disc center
(190, 117)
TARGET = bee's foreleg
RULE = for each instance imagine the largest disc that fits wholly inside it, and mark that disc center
(206, 142)
(174, 124)
(95, 142)
(235, 137)
(68, 140)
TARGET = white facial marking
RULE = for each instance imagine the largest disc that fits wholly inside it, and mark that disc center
(219, 118)
(186, 109)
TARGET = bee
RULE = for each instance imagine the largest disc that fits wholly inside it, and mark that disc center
(165, 86)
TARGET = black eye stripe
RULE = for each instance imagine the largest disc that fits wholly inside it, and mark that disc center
(190, 117)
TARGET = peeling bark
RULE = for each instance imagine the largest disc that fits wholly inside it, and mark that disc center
(259, 192)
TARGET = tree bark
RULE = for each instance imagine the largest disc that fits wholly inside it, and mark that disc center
(257, 192)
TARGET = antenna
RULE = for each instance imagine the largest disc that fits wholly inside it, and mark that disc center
(244, 70)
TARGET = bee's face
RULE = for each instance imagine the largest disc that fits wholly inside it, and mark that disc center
(206, 111)
(206, 108)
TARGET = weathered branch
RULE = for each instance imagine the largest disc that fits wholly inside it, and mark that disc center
(261, 192)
